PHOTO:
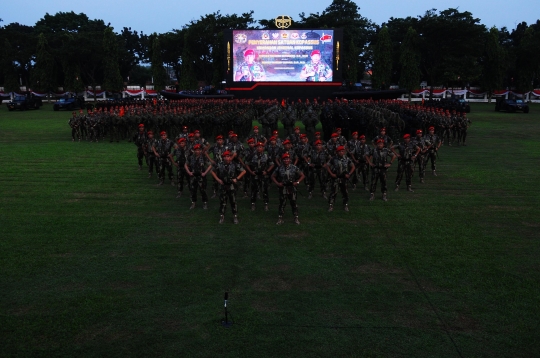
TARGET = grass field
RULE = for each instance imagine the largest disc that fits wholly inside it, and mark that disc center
(96, 260)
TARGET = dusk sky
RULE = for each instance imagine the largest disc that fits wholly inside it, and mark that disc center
(164, 15)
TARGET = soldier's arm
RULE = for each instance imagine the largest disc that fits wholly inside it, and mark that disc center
(207, 170)
(216, 177)
(273, 177)
(353, 168)
(302, 176)
(190, 173)
(242, 173)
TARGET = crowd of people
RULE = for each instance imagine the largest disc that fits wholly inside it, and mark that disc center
(354, 150)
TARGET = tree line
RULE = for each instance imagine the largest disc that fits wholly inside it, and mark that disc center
(449, 48)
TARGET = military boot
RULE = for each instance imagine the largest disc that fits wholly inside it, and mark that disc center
(346, 208)
(252, 206)
(324, 195)
(192, 206)
(221, 219)
(371, 196)
(384, 198)
(331, 208)
(149, 175)
(422, 180)
(205, 206)
(280, 220)
(140, 167)
(409, 188)
(266, 207)
(366, 188)
(434, 173)
(178, 195)
(397, 187)
(296, 221)
(213, 195)
(173, 183)
(310, 195)
(235, 219)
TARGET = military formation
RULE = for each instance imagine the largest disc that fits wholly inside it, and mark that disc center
(356, 148)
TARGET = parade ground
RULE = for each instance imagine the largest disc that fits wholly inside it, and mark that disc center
(96, 260)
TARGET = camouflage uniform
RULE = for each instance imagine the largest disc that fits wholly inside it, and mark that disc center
(341, 167)
(198, 165)
(227, 172)
(287, 175)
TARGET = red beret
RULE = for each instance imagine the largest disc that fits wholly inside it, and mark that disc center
(150, 132)
(184, 127)
(338, 129)
(431, 128)
(286, 141)
(340, 148)
(334, 135)
(315, 52)
(354, 133)
(406, 136)
(273, 138)
(231, 132)
(249, 52)
(197, 131)
(234, 135)
(317, 133)
(219, 137)
(419, 131)
(303, 135)
(162, 132)
(362, 137)
(251, 140)
(260, 144)
(383, 129)
(190, 135)
(196, 146)
(141, 125)
(275, 132)
(318, 141)
(285, 155)
(256, 127)
(295, 128)
(226, 154)
(180, 140)
(380, 140)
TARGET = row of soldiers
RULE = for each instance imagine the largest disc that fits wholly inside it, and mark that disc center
(215, 116)
(333, 165)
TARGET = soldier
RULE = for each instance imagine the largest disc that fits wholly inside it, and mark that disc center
(332, 144)
(421, 158)
(295, 137)
(288, 148)
(74, 123)
(362, 168)
(387, 140)
(434, 143)
(406, 153)
(340, 168)
(287, 177)
(260, 165)
(316, 161)
(139, 139)
(256, 136)
(227, 174)
(310, 120)
(150, 156)
(197, 166)
(200, 140)
(180, 152)
(235, 147)
(244, 159)
(316, 70)
(217, 151)
(378, 161)
(250, 70)
(162, 149)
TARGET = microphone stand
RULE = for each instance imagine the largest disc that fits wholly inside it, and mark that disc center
(226, 322)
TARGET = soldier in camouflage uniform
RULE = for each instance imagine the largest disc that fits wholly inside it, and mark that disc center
(420, 141)
(217, 151)
(287, 177)
(387, 140)
(340, 169)
(434, 143)
(244, 159)
(162, 148)
(259, 165)
(378, 161)
(288, 120)
(310, 120)
(150, 156)
(197, 167)
(180, 152)
(139, 139)
(316, 161)
(256, 136)
(406, 152)
(74, 123)
(227, 174)
(359, 157)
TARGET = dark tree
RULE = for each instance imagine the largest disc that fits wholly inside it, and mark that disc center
(410, 62)
(111, 69)
(382, 60)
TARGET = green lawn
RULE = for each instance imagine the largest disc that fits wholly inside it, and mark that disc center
(96, 260)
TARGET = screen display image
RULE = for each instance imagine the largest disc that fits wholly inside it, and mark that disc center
(283, 55)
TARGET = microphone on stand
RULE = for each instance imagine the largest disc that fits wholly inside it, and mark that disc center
(226, 323)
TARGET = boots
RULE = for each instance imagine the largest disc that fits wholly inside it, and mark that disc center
(397, 187)
(409, 188)
(331, 208)
(280, 220)
(384, 198)
(266, 207)
(346, 208)
(213, 195)
(140, 167)
(221, 219)
(296, 221)
(422, 180)
(192, 206)
(235, 219)
(252, 206)
(205, 206)
(371, 196)
(435, 174)
(310, 195)
(178, 194)
(173, 183)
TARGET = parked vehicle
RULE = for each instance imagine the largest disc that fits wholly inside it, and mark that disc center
(511, 105)
(24, 102)
(69, 103)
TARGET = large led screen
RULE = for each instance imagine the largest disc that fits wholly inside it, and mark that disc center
(283, 55)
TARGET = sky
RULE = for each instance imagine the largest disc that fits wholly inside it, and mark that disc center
(165, 15)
